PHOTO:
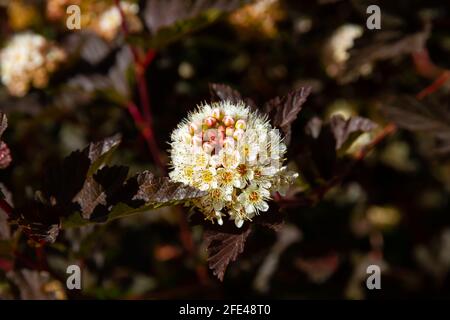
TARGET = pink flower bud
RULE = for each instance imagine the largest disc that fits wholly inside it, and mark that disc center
(211, 135)
(210, 122)
(241, 124)
(228, 121)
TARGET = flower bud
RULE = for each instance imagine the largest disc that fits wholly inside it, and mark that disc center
(228, 121)
(229, 132)
(210, 122)
(211, 135)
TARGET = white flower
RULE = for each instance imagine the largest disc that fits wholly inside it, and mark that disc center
(205, 179)
(336, 51)
(228, 179)
(253, 199)
(110, 21)
(235, 155)
(27, 60)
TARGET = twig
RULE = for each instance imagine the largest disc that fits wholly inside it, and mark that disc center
(426, 68)
(388, 130)
(140, 67)
(439, 82)
(145, 130)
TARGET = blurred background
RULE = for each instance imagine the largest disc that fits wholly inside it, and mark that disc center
(62, 89)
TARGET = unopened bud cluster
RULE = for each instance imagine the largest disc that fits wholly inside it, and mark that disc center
(28, 60)
(235, 155)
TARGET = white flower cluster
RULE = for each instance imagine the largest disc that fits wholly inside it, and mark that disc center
(336, 53)
(235, 155)
(109, 22)
(27, 60)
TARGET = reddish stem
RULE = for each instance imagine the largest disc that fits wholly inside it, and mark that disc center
(388, 130)
(439, 82)
(146, 132)
(146, 127)
(148, 58)
(426, 68)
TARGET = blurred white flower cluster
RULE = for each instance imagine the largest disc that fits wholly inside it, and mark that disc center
(27, 60)
(109, 22)
(336, 51)
(235, 155)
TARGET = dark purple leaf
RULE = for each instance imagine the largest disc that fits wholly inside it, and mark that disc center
(161, 190)
(431, 116)
(91, 195)
(284, 110)
(223, 92)
(387, 45)
(160, 14)
(224, 248)
(347, 130)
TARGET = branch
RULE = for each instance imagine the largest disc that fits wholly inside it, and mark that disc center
(426, 68)
(140, 67)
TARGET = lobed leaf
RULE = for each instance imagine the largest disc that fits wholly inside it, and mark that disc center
(224, 248)
(431, 116)
(284, 110)
(387, 45)
(345, 131)
(163, 14)
(223, 92)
